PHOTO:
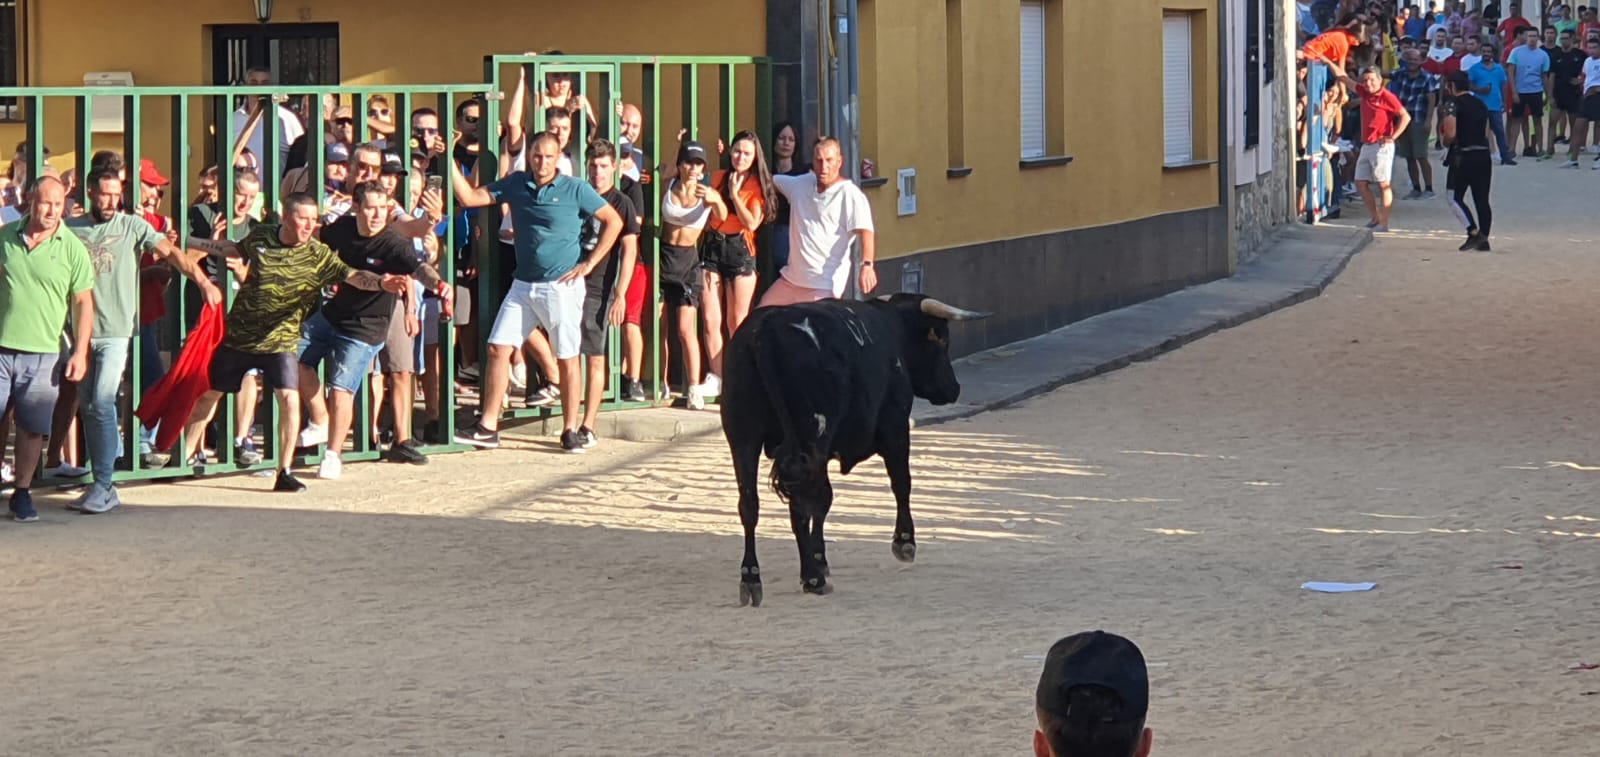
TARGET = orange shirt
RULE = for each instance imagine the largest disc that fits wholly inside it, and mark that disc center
(750, 193)
(1333, 45)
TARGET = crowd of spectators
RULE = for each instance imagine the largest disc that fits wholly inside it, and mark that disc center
(1531, 79)
(350, 283)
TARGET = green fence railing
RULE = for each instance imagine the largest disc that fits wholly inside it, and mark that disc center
(186, 120)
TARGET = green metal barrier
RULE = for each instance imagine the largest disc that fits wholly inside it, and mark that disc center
(194, 111)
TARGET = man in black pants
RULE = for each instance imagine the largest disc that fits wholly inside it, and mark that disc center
(1466, 131)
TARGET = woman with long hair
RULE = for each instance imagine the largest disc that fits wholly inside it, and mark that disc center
(728, 248)
(785, 162)
(688, 207)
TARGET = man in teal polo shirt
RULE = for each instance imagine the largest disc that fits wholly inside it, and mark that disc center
(547, 214)
(43, 269)
(114, 240)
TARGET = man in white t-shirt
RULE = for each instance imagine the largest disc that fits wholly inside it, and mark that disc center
(289, 128)
(827, 211)
(1474, 53)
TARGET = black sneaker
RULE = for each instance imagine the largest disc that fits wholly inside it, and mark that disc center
(198, 464)
(586, 435)
(1471, 243)
(406, 452)
(633, 391)
(22, 510)
(287, 483)
(1508, 162)
(572, 442)
(479, 437)
(1483, 245)
(544, 396)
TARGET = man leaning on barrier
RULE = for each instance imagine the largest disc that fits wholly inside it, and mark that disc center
(114, 241)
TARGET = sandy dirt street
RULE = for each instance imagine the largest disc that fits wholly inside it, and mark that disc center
(1426, 423)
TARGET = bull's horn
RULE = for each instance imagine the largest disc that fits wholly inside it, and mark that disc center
(939, 309)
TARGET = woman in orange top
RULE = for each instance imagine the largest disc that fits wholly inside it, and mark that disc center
(728, 249)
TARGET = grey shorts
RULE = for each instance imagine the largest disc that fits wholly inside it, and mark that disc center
(399, 350)
(29, 382)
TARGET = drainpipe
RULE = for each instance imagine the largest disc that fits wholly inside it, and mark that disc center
(850, 50)
(1225, 167)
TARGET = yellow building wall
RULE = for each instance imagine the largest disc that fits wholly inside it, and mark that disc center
(381, 42)
(1109, 95)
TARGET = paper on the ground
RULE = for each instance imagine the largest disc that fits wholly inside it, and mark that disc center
(1337, 588)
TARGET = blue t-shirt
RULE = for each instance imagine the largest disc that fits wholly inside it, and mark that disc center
(1415, 27)
(1495, 80)
(547, 221)
(1531, 65)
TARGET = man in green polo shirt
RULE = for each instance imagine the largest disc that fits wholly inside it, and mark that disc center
(43, 269)
(114, 240)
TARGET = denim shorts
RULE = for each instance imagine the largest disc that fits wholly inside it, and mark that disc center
(349, 358)
(29, 382)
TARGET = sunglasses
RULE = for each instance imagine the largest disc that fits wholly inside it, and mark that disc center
(373, 166)
(425, 130)
(470, 119)
(343, 121)
(378, 112)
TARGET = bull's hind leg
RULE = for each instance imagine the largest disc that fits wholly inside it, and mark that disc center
(897, 461)
(746, 466)
(806, 512)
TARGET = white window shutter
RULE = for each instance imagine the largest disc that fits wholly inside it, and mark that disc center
(1033, 79)
(1177, 89)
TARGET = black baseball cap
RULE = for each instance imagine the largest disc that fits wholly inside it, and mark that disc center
(1095, 658)
(392, 165)
(692, 151)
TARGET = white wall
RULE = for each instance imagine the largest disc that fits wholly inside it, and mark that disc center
(1251, 163)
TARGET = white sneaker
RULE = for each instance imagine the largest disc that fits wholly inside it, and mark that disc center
(66, 470)
(90, 494)
(519, 379)
(696, 402)
(106, 501)
(312, 435)
(711, 387)
(331, 468)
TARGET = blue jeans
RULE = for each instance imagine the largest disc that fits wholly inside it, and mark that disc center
(97, 401)
(1497, 124)
(349, 359)
(780, 247)
(150, 368)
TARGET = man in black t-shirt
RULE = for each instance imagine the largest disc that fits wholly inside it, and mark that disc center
(1566, 69)
(1466, 130)
(603, 303)
(350, 328)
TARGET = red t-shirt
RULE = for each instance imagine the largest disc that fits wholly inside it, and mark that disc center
(1444, 67)
(152, 293)
(1378, 114)
(1333, 45)
(1509, 27)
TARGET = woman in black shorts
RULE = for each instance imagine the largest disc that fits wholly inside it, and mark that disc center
(728, 249)
(687, 205)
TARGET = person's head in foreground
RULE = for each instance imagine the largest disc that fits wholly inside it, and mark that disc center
(1092, 699)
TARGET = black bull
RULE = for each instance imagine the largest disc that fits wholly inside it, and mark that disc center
(823, 381)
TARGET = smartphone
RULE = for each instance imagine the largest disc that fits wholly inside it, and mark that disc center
(436, 182)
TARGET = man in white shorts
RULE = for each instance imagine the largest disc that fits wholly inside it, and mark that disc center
(1383, 118)
(547, 214)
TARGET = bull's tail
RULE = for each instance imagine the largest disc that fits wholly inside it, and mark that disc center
(799, 464)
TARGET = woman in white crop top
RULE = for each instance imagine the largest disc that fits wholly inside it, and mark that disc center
(687, 205)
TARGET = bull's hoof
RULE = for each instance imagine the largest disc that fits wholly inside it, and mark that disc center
(749, 595)
(816, 586)
(905, 551)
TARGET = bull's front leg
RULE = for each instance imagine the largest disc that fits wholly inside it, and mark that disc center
(897, 461)
(746, 464)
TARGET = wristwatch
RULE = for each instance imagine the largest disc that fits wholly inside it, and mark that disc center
(866, 264)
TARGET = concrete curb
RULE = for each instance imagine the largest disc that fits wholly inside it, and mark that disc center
(1187, 321)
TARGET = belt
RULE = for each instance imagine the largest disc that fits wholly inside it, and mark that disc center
(1473, 148)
